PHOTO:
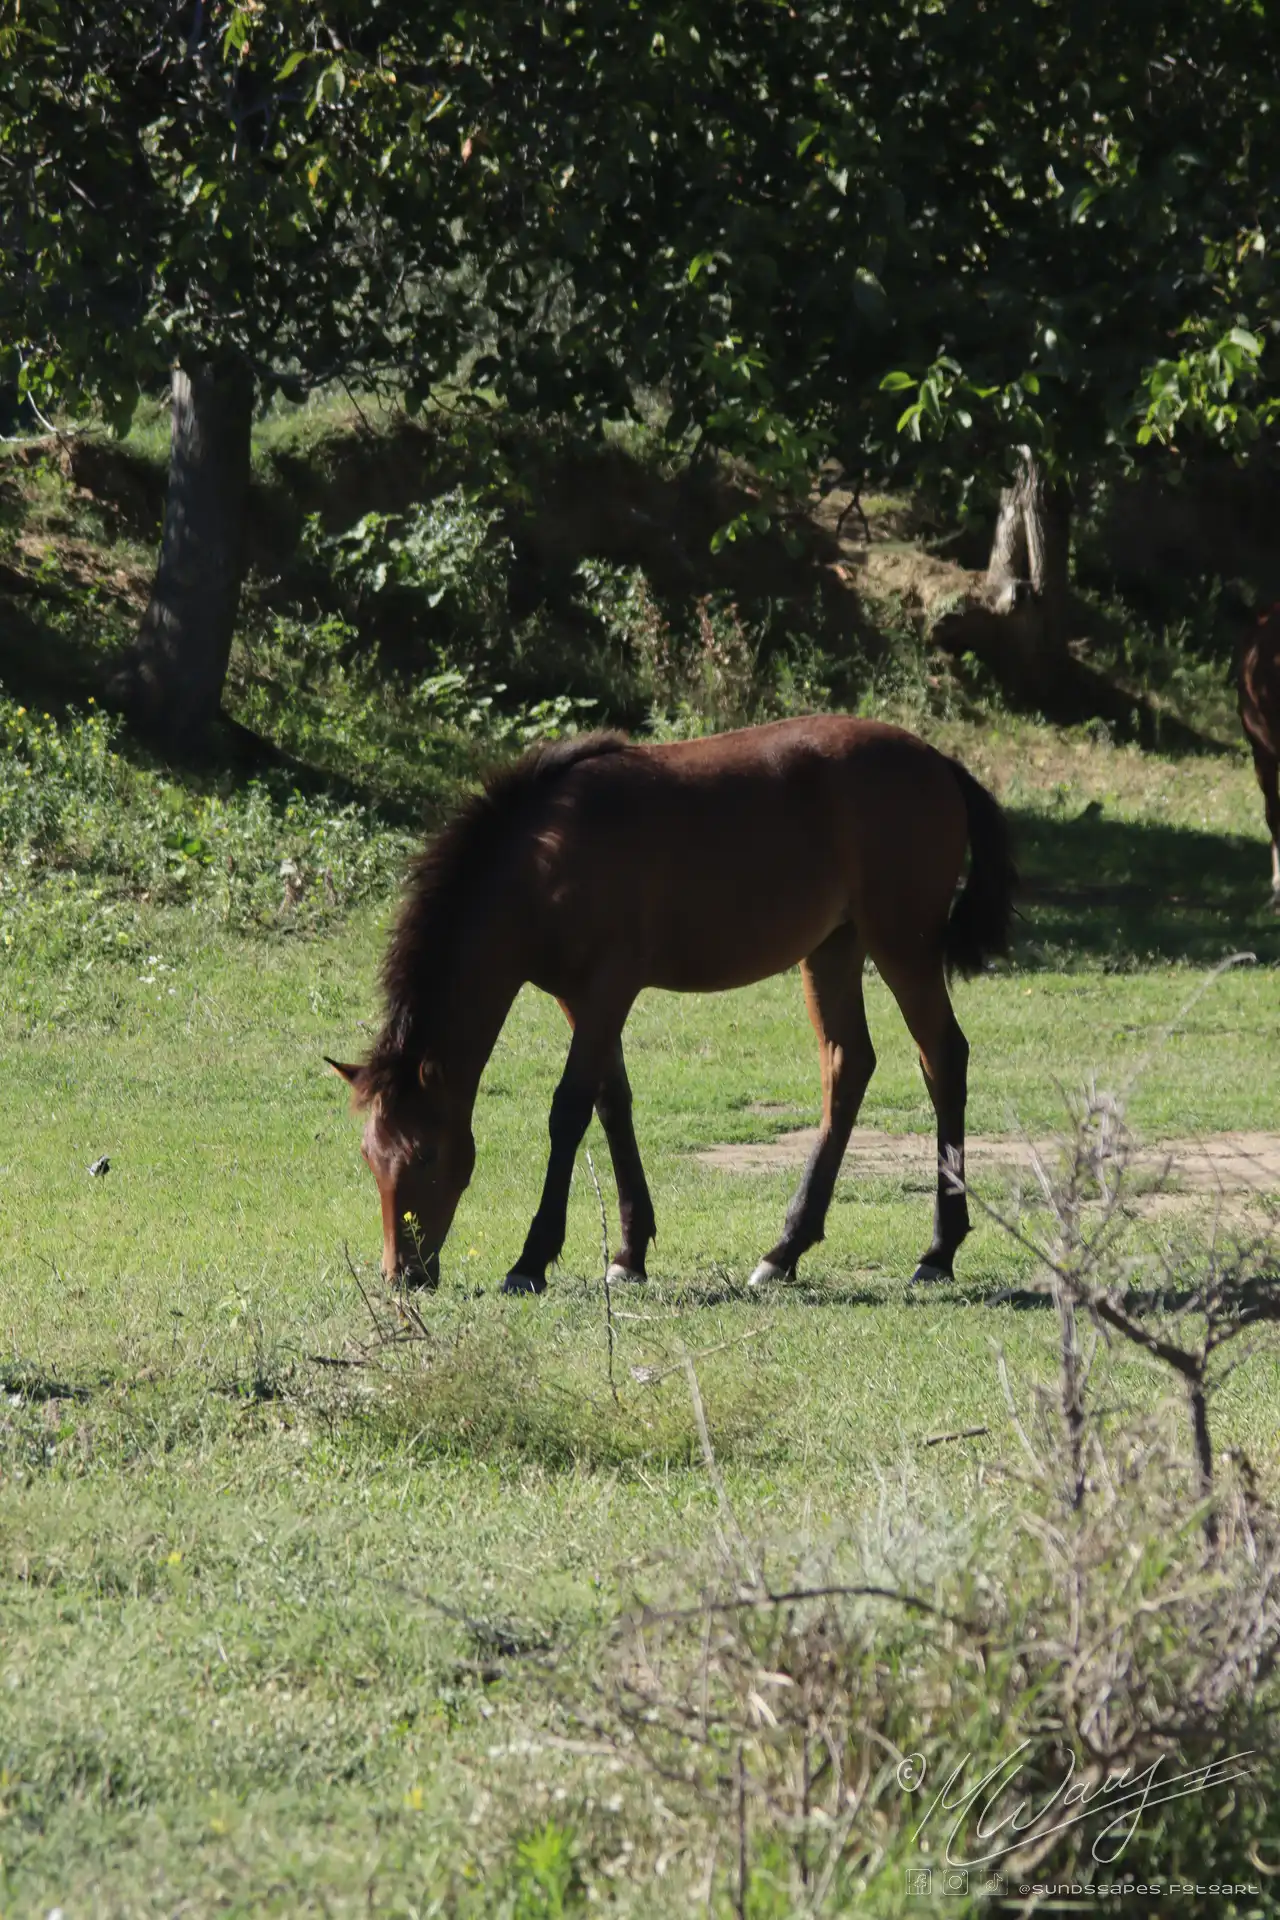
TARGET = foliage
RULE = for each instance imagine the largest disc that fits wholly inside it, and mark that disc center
(263, 185)
(440, 554)
(548, 1882)
(1207, 387)
(434, 584)
(320, 692)
(1084, 224)
(782, 219)
(88, 836)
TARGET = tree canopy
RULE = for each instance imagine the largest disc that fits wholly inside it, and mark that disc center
(1040, 221)
(264, 184)
(911, 235)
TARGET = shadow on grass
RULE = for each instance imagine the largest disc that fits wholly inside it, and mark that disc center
(893, 1292)
(699, 1297)
(1125, 894)
(58, 672)
(31, 1384)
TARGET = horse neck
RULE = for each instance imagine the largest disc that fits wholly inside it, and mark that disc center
(488, 972)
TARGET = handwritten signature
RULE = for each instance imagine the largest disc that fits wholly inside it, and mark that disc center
(1014, 1817)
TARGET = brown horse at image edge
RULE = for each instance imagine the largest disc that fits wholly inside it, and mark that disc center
(596, 867)
(1258, 687)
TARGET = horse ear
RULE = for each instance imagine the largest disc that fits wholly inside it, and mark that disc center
(349, 1073)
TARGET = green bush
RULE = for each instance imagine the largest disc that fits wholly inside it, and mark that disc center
(442, 558)
(88, 836)
(404, 601)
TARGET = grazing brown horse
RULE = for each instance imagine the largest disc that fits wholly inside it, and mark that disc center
(598, 866)
(1258, 682)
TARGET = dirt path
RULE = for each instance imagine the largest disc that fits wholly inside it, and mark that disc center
(1212, 1163)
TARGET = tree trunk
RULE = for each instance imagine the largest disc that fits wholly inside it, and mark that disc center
(1030, 551)
(171, 683)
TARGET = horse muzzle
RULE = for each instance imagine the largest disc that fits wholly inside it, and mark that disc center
(416, 1269)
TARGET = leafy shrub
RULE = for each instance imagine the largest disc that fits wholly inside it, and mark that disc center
(703, 662)
(309, 687)
(87, 836)
(433, 586)
(442, 563)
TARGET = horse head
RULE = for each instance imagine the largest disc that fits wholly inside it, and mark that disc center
(419, 1148)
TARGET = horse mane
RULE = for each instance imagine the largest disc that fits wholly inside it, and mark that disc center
(418, 965)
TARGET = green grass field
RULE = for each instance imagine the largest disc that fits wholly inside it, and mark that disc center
(251, 1598)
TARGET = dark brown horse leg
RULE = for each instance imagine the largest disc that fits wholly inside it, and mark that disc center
(595, 1038)
(1268, 772)
(833, 993)
(635, 1208)
(944, 1056)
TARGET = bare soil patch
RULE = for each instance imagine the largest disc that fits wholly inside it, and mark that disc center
(1210, 1163)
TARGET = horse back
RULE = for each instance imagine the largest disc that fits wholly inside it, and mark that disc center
(732, 857)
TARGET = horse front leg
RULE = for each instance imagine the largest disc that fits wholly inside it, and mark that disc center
(596, 1037)
(635, 1208)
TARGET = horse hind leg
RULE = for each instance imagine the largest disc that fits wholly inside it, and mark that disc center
(925, 1005)
(832, 977)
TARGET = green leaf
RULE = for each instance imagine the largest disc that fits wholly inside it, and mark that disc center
(237, 32)
(896, 383)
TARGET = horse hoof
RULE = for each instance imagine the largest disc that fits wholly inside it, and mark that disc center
(766, 1273)
(928, 1273)
(524, 1283)
(617, 1272)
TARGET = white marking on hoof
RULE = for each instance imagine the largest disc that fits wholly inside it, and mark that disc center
(524, 1283)
(765, 1274)
(617, 1273)
(927, 1274)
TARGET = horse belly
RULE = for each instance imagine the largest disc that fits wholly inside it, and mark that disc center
(729, 929)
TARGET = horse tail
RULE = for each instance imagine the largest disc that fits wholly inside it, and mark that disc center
(980, 926)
